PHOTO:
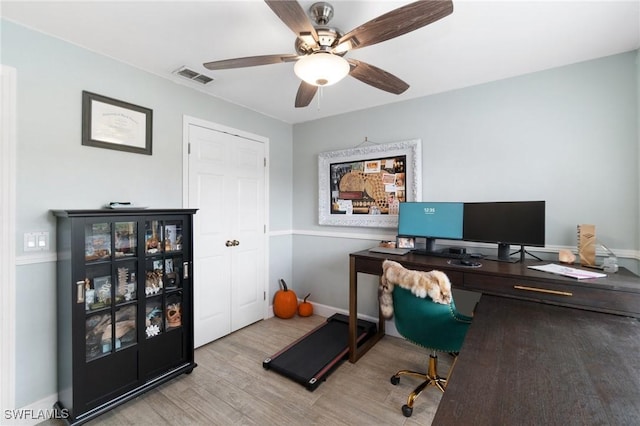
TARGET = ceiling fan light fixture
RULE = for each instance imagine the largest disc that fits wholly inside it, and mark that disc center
(322, 68)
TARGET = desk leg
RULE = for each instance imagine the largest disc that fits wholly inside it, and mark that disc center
(353, 310)
(356, 352)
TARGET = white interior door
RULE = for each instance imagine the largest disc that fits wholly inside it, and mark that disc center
(227, 185)
(248, 224)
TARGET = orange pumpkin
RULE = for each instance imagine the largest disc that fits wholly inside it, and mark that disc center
(285, 302)
(305, 309)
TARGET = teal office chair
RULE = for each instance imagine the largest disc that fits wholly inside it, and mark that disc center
(433, 326)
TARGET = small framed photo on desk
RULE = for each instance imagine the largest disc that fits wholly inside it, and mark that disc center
(403, 241)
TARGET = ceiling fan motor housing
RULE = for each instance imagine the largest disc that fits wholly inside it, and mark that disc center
(321, 13)
(327, 39)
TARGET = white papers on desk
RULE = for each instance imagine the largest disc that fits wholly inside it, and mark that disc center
(580, 274)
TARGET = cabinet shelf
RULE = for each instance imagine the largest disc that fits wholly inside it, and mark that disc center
(124, 258)
(100, 309)
(125, 303)
(106, 261)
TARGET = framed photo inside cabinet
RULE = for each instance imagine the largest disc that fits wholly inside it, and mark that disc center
(113, 124)
(364, 186)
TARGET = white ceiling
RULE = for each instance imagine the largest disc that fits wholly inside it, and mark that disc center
(481, 41)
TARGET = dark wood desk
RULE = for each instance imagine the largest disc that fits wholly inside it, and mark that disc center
(618, 293)
(537, 364)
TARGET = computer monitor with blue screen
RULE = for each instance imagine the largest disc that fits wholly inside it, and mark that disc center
(431, 220)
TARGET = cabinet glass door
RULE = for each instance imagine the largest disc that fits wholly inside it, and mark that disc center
(110, 287)
(164, 272)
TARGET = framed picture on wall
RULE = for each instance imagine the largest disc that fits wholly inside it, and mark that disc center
(364, 186)
(113, 124)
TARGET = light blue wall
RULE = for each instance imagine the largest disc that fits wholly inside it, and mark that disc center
(567, 135)
(55, 171)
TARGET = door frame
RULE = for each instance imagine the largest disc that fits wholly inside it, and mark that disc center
(189, 120)
(8, 160)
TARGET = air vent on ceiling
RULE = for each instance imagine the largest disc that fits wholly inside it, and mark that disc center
(193, 75)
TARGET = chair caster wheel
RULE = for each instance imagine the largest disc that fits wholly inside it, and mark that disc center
(395, 380)
(407, 411)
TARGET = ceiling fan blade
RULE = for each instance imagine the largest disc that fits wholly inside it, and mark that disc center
(376, 77)
(305, 94)
(294, 17)
(395, 23)
(249, 61)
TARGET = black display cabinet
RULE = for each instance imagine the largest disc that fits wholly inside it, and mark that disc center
(125, 305)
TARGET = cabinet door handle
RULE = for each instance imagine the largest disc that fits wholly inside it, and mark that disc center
(543, 290)
(185, 270)
(229, 243)
(236, 242)
(80, 295)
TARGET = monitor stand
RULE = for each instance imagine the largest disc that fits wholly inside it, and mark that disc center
(504, 254)
(430, 245)
(522, 252)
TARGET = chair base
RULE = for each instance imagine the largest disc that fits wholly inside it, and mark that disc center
(431, 378)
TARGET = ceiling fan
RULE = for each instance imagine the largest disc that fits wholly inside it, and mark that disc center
(320, 48)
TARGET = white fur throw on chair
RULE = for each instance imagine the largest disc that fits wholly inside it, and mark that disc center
(434, 284)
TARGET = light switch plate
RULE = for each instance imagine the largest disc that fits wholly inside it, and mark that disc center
(36, 241)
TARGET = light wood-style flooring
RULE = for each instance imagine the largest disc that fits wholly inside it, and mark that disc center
(230, 386)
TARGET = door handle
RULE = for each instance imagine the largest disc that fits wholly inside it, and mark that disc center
(185, 270)
(236, 242)
(229, 243)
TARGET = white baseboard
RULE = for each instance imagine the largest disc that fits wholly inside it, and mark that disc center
(32, 414)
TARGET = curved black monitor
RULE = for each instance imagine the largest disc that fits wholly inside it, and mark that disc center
(506, 223)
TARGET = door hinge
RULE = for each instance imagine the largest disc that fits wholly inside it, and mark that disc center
(264, 231)
(189, 148)
(264, 295)
(265, 161)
